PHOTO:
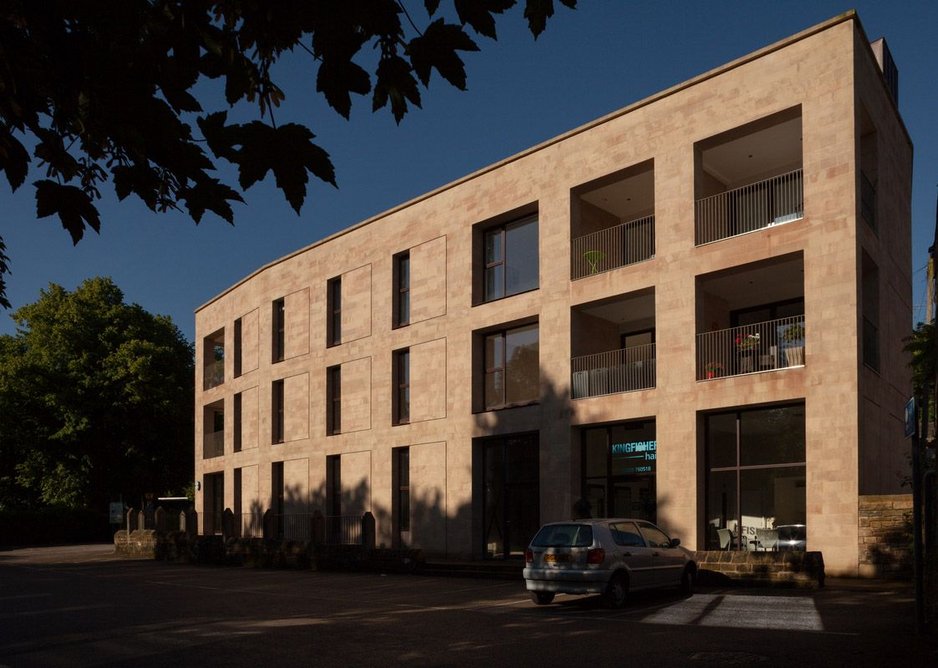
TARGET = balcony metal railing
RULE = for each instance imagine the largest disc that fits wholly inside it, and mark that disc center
(773, 201)
(614, 371)
(213, 444)
(612, 247)
(762, 346)
(213, 374)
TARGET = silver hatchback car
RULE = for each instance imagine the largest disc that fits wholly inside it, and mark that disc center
(610, 557)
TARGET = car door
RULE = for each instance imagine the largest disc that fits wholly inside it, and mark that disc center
(667, 562)
(632, 551)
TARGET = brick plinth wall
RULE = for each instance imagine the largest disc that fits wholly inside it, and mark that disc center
(886, 536)
(794, 569)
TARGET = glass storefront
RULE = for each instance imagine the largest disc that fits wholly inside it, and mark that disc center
(619, 465)
(755, 462)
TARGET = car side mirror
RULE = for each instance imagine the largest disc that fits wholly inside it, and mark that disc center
(675, 542)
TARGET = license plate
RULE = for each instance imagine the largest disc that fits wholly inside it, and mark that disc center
(556, 558)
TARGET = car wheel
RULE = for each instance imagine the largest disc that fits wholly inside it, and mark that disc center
(687, 581)
(542, 597)
(616, 591)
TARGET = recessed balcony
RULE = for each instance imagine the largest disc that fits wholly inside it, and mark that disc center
(760, 346)
(751, 318)
(749, 178)
(613, 346)
(752, 207)
(613, 221)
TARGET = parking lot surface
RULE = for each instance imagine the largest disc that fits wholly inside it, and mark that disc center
(79, 606)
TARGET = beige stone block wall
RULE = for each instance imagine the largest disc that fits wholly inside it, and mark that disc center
(428, 280)
(356, 395)
(296, 407)
(296, 486)
(429, 509)
(251, 501)
(428, 381)
(356, 482)
(296, 327)
(356, 304)
(249, 418)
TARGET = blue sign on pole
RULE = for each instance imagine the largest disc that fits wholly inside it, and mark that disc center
(910, 418)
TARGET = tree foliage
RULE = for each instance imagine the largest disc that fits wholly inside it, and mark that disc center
(95, 401)
(105, 90)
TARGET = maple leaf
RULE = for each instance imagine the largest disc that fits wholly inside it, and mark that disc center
(72, 205)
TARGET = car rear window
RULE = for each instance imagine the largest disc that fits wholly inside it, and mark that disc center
(564, 535)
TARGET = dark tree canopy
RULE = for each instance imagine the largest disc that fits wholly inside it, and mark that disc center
(95, 401)
(103, 90)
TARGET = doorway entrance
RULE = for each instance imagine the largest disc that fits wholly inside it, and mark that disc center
(510, 484)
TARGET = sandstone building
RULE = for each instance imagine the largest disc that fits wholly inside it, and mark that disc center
(690, 310)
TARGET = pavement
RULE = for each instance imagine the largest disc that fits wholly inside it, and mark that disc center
(81, 606)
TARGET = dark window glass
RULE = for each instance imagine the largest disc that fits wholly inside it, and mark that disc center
(750, 496)
(512, 367)
(402, 293)
(277, 412)
(278, 318)
(510, 258)
(334, 308)
(564, 535)
(772, 436)
(403, 488)
(721, 432)
(626, 534)
(334, 400)
(237, 422)
(237, 347)
(402, 386)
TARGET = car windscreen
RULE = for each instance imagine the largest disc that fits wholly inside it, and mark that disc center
(564, 535)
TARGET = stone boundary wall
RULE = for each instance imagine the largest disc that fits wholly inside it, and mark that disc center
(791, 569)
(885, 535)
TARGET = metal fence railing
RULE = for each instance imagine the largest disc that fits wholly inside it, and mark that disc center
(612, 247)
(762, 346)
(773, 201)
(614, 371)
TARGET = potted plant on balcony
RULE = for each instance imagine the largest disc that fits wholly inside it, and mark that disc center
(746, 346)
(793, 336)
(713, 369)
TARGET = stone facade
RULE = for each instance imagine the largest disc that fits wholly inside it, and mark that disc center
(886, 535)
(312, 423)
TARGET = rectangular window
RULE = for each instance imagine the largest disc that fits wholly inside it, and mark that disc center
(276, 412)
(402, 289)
(237, 347)
(510, 259)
(401, 380)
(278, 317)
(277, 495)
(237, 422)
(334, 400)
(512, 371)
(756, 476)
(213, 358)
(334, 310)
(334, 529)
(402, 488)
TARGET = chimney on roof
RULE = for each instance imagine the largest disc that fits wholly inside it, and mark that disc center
(888, 67)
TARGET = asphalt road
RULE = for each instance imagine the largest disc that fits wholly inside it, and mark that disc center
(78, 606)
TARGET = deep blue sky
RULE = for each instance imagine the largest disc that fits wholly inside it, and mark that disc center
(603, 56)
